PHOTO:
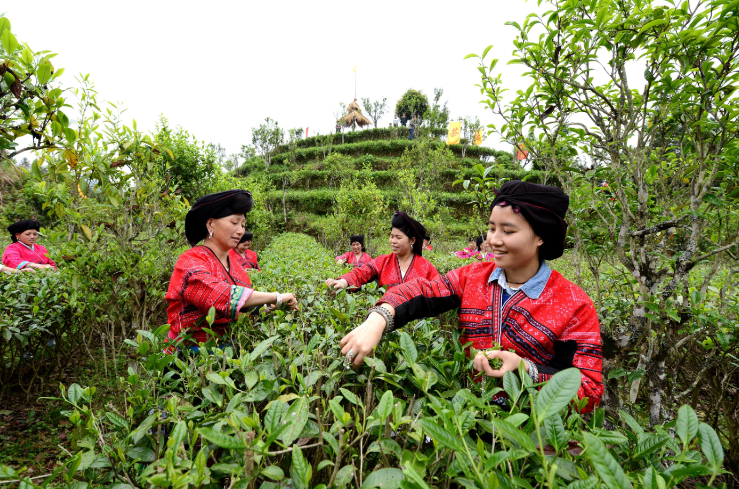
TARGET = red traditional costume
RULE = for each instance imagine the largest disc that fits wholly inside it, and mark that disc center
(556, 328)
(351, 259)
(386, 269)
(235, 258)
(18, 255)
(199, 282)
(251, 259)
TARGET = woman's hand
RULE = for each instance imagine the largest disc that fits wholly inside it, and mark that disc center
(290, 300)
(337, 284)
(363, 339)
(510, 360)
(39, 266)
(26, 269)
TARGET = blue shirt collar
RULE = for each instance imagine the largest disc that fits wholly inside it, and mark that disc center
(535, 285)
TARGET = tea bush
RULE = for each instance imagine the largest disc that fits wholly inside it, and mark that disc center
(276, 408)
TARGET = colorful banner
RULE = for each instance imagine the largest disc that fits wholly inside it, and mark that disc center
(455, 131)
(521, 153)
(478, 137)
(306, 133)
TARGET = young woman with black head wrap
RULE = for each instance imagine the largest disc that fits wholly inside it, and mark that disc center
(204, 276)
(403, 265)
(517, 301)
(358, 255)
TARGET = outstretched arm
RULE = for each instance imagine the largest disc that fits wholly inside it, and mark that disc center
(418, 299)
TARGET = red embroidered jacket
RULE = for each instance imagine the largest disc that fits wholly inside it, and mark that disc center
(351, 259)
(252, 260)
(236, 259)
(556, 330)
(386, 269)
(17, 255)
(199, 282)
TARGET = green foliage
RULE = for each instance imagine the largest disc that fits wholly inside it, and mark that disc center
(411, 103)
(266, 138)
(277, 406)
(436, 118)
(30, 102)
(186, 163)
(650, 165)
(375, 110)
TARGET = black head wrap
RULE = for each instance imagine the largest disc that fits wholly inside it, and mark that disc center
(248, 236)
(411, 228)
(359, 238)
(544, 207)
(22, 226)
(478, 243)
(214, 206)
(427, 238)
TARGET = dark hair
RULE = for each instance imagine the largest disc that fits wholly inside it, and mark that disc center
(411, 228)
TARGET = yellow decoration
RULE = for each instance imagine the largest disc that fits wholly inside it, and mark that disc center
(455, 131)
(478, 137)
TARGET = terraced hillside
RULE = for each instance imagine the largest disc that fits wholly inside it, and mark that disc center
(304, 182)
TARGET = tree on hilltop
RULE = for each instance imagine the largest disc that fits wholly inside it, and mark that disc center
(375, 109)
(266, 138)
(412, 102)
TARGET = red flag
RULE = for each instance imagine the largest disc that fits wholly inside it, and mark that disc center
(306, 133)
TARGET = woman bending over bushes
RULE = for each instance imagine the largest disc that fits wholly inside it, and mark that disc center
(24, 254)
(403, 265)
(204, 276)
(517, 301)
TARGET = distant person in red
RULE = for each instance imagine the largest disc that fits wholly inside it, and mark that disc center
(249, 258)
(204, 276)
(24, 254)
(403, 265)
(427, 243)
(358, 255)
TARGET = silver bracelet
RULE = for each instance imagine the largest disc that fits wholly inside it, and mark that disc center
(533, 370)
(278, 301)
(389, 320)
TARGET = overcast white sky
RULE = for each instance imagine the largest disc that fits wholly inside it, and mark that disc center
(219, 68)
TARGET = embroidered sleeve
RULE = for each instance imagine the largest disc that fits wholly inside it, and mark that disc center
(12, 258)
(423, 298)
(344, 257)
(579, 346)
(361, 274)
(204, 290)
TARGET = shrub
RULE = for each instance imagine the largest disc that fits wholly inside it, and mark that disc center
(276, 407)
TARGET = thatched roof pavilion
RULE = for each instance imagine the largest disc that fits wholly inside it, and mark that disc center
(354, 117)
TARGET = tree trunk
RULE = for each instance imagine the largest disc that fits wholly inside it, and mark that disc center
(284, 207)
(656, 389)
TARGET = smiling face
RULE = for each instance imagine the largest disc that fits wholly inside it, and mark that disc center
(242, 247)
(27, 237)
(356, 247)
(227, 231)
(400, 243)
(512, 239)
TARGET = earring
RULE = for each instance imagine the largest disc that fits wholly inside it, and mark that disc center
(210, 236)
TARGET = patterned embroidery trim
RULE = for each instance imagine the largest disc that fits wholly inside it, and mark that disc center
(23, 264)
(237, 294)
